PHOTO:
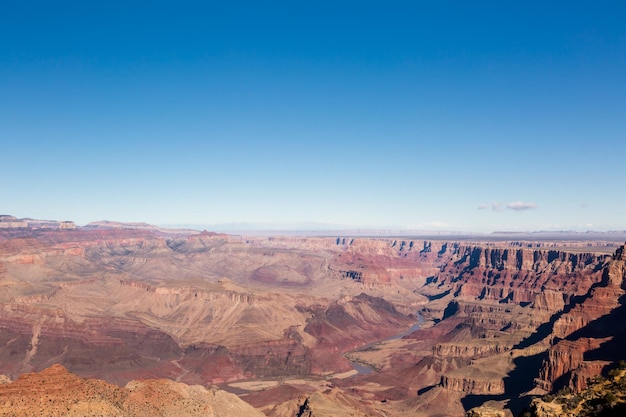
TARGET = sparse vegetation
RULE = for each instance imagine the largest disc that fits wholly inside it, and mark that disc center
(604, 397)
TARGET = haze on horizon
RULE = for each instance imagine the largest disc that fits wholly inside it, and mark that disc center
(419, 115)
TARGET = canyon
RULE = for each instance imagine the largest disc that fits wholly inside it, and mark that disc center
(303, 325)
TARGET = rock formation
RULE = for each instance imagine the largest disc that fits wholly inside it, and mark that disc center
(586, 337)
(56, 392)
(325, 322)
(602, 397)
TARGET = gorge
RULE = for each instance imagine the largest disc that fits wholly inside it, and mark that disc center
(279, 320)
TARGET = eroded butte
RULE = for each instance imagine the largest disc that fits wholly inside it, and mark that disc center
(309, 325)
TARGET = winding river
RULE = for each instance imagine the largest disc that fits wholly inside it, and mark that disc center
(363, 369)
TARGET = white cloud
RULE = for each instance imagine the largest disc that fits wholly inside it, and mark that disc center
(515, 205)
(493, 206)
(521, 206)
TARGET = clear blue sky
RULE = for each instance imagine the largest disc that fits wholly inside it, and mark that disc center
(485, 115)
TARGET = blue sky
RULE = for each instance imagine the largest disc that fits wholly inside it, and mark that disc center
(459, 115)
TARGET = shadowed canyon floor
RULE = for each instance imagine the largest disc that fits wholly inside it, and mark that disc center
(308, 326)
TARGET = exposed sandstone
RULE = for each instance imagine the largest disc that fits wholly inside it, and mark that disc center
(473, 385)
(56, 392)
(566, 356)
(590, 326)
(520, 275)
(469, 350)
(603, 397)
(486, 411)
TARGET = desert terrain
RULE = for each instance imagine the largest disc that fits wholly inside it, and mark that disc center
(132, 319)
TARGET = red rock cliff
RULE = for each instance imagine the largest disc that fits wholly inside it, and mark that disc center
(591, 334)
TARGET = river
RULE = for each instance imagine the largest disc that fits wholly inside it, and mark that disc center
(364, 369)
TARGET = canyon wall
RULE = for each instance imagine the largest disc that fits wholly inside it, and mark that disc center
(122, 303)
(588, 337)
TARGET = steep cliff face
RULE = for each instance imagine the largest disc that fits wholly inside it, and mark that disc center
(468, 350)
(547, 278)
(501, 297)
(566, 357)
(586, 338)
(475, 386)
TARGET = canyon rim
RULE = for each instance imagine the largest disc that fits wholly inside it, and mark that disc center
(297, 325)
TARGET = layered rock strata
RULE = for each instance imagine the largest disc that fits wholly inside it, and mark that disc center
(122, 302)
(56, 392)
(586, 338)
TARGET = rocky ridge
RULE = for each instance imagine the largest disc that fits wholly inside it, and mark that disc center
(56, 392)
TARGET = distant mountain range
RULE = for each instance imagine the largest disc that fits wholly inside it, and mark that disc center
(319, 229)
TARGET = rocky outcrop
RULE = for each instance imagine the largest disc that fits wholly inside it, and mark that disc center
(602, 397)
(473, 386)
(468, 350)
(486, 411)
(56, 392)
(330, 403)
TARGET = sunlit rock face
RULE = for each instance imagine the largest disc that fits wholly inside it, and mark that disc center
(56, 392)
